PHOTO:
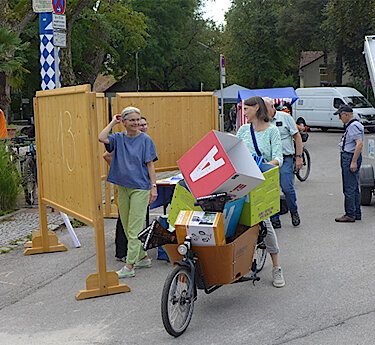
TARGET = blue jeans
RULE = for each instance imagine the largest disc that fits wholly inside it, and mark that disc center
(286, 182)
(350, 185)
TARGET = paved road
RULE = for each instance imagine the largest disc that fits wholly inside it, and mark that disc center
(329, 297)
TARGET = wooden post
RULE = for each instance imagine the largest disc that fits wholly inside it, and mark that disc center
(103, 282)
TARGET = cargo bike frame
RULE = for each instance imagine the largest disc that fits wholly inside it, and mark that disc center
(181, 287)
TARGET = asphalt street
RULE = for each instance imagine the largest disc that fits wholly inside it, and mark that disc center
(329, 297)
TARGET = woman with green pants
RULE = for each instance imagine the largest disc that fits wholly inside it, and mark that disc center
(132, 170)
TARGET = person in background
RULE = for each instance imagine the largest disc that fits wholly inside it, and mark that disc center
(121, 241)
(143, 125)
(132, 170)
(351, 145)
(268, 140)
(232, 119)
(3, 126)
(288, 131)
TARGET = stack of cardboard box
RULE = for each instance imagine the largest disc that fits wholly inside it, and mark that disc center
(224, 242)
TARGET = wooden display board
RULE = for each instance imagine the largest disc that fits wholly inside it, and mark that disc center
(176, 120)
(70, 168)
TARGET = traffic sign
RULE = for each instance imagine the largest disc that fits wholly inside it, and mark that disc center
(58, 6)
(40, 6)
(59, 39)
(222, 68)
(222, 60)
(59, 21)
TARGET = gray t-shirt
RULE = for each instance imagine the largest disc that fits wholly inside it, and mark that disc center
(353, 132)
(287, 128)
(130, 157)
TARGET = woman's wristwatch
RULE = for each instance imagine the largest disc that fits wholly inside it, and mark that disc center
(300, 156)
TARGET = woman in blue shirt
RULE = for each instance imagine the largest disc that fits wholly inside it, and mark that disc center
(132, 170)
(268, 140)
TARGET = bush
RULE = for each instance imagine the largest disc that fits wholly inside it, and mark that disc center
(9, 181)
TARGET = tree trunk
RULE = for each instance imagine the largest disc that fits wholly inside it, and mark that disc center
(67, 73)
(4, 94)
(339, 68)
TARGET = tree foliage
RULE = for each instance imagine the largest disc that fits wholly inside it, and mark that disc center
(102, 36)
(345, 26)
(262, 42)
(171, 59)
(255, 55)
(14, 16)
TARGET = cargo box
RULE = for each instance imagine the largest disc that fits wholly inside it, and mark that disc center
(263, 201)
(218, 163)
(204, 228)
(227, 263)
(182, 200)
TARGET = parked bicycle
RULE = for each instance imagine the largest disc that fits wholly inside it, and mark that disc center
(25, 159)
(304, 172)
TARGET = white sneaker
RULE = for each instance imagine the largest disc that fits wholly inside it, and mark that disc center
(278, 278)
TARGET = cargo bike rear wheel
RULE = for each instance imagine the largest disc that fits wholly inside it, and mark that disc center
(176, 306)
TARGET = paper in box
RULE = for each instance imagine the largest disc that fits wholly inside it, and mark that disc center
(231, 214)
(220, 162)
(183, 200)
(263, 201)
(204, 228)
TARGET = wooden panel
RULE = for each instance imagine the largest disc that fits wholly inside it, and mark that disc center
(65, 156)
(177, 120)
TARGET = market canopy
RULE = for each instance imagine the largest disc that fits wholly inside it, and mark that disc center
(279, 95)
(230, 93)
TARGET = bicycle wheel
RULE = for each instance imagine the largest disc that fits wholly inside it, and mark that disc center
(176, 311)
(304, 172)
(29, 181)
(260, 255)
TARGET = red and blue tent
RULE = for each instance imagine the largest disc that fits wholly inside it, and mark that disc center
(280, 95)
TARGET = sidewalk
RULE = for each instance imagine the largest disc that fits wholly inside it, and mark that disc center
(16, 228)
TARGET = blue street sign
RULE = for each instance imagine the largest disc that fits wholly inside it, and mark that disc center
(45, 23)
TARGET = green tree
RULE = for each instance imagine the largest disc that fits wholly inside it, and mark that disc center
(346, 24)
(14, 16)
(171, 59)
(299, 25)
(255, 58)
(102, 37)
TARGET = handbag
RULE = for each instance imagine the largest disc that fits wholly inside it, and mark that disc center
(258, 157)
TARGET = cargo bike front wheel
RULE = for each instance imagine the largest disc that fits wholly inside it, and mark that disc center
(176, 305)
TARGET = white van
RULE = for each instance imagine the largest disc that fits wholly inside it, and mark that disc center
(316, 105)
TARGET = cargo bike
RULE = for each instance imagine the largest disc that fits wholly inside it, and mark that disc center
(205, 268)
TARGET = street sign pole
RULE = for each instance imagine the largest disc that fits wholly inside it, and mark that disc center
(222, 81)
(47, 54)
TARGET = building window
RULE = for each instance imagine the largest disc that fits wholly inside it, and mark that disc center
(323, 71)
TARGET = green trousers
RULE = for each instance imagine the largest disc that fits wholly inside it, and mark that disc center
(133, 208)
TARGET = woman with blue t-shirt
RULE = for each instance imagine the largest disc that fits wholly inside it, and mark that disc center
(132, 170)
(269, 143)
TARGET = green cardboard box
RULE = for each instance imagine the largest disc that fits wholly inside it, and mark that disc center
(182, 200)
(263, 201)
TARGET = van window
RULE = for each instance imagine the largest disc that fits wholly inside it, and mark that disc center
(337, 102)
(358, 102)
